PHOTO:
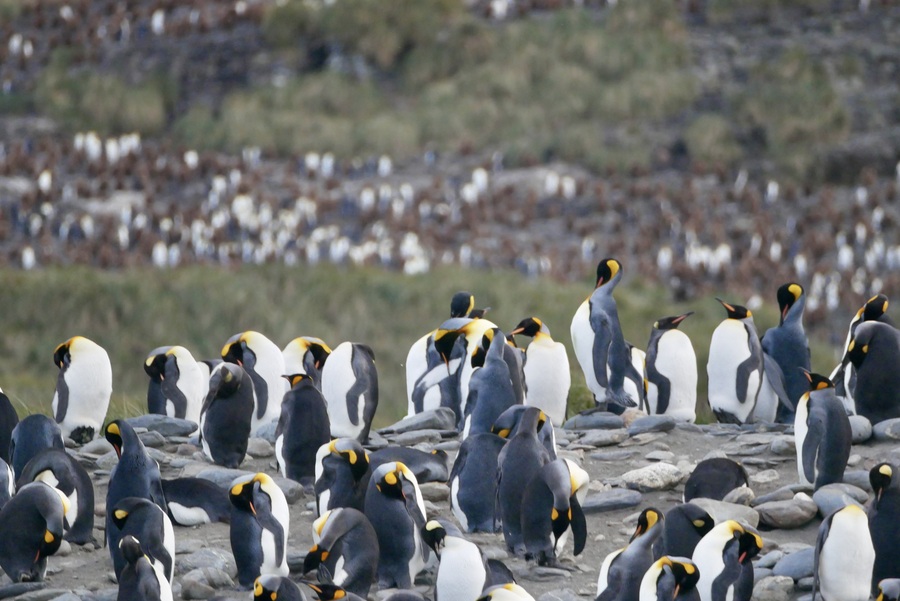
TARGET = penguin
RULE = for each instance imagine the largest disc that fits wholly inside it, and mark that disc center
(302, 428)
(135, 475)
(259, 528)
(268, 588)
(342, 475)
(844, 374)
(83, 388)
(888, 590)
(724, 557)
(178, 383)
(9, 419)
(145, 521)
(788, 346)
(599, 344)
(519, 461)
(141, 579)
(506, 592)
(671, 370)
(431, 466)
(551, 506)
(350, 388)
(822, 434)
(347, 545)
(490, 388)
(36, 514)
(461, 572)
(306, 355)
(546, 370)
(195, 501)
(669, 578)
(884, 521)
(874, 352)
(683, 528)
(714, 478)
(63, 472)
(332, 592)
(226, 418)
(507, 425)
(844, 556)
(7, 483)
(264, 363)
(31, 436)
(634, 385)
(473, 482)
(622, 571)
(735, 366)
(395, 507)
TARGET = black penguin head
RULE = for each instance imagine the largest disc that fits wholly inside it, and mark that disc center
(478, 313)
(237, 349)
(889, 590)
(735, 311)
(462, 304)
(131, 549)
(314, 558)
(352, 452)
(444, 341)
(115, 435)
(62, 355)
(607, 270)
(530, 326)
(261, 592)
(684, 572)
(817, 381)
(858, 348)
(560, 520)
(225, 380)
(649, 518)
(880, 478)
(749, 545)
(671, 323)
(480, 353)
(875, 307)
(433, 534)
(155, 363)
(327, 592)
(787, 295)
(391, 483)
(241, 495)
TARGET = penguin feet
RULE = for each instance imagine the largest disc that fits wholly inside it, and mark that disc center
(620, 398)
(82, 434)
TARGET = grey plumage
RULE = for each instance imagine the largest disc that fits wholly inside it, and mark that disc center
(788, 346)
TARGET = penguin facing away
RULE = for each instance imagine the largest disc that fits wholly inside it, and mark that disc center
(884, 521)
(350, 388)
(823, 434)
(342, 475)
(490, 388)
(264, 363)
(473, 482)
(844, 556)
(684, 526)
(844, 374)
(141, 579)
(622, 571)
(37, 514)
(302, 428)
(306, 355)
(226, 418)
(735, 366)
(35, 433)
(547, 375)
(259, 528)
(145, 521)
(178, 383)
(83, 388)
(671, 370)
(550, 507)
(788, 346)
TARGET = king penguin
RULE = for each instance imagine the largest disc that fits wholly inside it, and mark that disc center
(669, 578)
(302, 428)
(31, 436)
(844, 556)
(490, 388)
(145, 521)
(9, 419)
(195, 501)
(461, 573)
(347, 545)
(178, 384)
(342, 475)
(141, 579)
(350, 388)
(622, 571)
(226, 418)
(36, 514)
(671, 370)
(884, 521)
(823, 435)
(714, 478)
(264, 363)
(788, 346)
(306, 355)
(844, 374)
(684, 526)
(888, 590)
(259, 528)
(551, 506)
(507, 425)
(473, 482)
(83, 388)
(270, 588)
(874, 352)
(428, 466)
(547, 375)
(735, 366)
(724, 557)
(506, 592)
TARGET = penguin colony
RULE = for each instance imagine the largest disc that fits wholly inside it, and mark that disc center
(374, 528)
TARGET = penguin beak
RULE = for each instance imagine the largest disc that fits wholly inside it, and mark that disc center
(742, 557)
(677, 588)
(252, 508)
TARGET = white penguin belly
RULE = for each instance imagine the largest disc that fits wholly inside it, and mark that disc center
(800, 431)
(603, 579)
(188, 516)
(583, 343)
(90, 388)
(677, 361)
(337, 380)
(454, 505)
(766, 403)
(547, 379)
(461, 573)
(847, 559)
(728, 349)
(416, 365)
(269, 563)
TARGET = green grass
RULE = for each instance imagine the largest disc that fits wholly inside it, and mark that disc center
(130, 313)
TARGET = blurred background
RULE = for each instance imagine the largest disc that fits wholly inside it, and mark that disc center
(174, 172)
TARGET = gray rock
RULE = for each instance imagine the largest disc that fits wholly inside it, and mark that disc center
(152, 439)
(784, 446)
(660, 456)
(293, 491)
(376, 441)
(794, 513)
(784, 493)
(659, 476)
(21, 588)
(595, 421)
(651, 423)
(796, 565)
(859, 479)
(206, 558)
(259, 448)
(611, 500)
(773, 588)
(70, 596)
(107, 594)
(192, 589)
(542, 574)
(211, 577)
(411, 437)
(861, 428)
(603, 438)
(267, 431)
(98, 446)
(889, 429)
(613, 455)
(107, 461)
(441, 418)
(760, 573)
(832, 497)
(805, 584)
(764, 477)
(742, 495)
(721, 511)
(769, 559)
(222, 476)
(434, 491)
(165, 425)
(565, 594)
(44, 595)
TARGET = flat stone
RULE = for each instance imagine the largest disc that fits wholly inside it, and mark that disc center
(742, 495)
(222, 476)
(659, 476)
(613, 455)
(785, 493)
(206, 558)
(98, 446)
(213, 577)
(860, 428)
(805, 584)
(43, 595)
(765, 477)
(832, 497)
(889, 429)
(192, 589)
(603, 438)
(794, 513)
(542, 574)
(611, 500)
(721, 511)
(411, 437)
(70, 596)
(165, 425)
(267, 432)
(660, 456)
(152, 439)
(434, 491)
(760, 573)
(259, 448)
(441, 418)
(642, 439)
(773, 588)
(595, 421)
(783, 445)
(651, 423)
(565, 594)
(859, 479)
(796, 565)
(21, 588)
(769, 559)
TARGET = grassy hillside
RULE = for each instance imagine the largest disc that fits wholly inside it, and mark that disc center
(129, 313)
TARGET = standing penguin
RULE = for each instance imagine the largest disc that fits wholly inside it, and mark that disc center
(735, 366)
(461, 574)
(874, 352)
(844, 374)
(473, 482)
(622, 571)
(306, 355)
(490, 388)
(83, 388)
(683, 528)
(31, 436)
(342, 475)
(347, 545)
(724, 557)
(227, 416)
(550, 507)
(9, 419)
(268, 588)
(259, 528)
(599, 343)
(302, 428)
(395, 507)
(844, 556)
(461, 337)
(146, 522)
(823, 435)
(507, 425)
(178, 383)
(669, 578)
(884, 521)
(350, 387)
(788, 346)
(264, 363)
(671, 370)
(141, 579)
(547, 375)
(36, 514)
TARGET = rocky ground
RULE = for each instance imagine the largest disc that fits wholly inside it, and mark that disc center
(633, 464)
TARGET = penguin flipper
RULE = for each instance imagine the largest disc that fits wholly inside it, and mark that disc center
(820, 541)
(812, 442)
(578, 524)
(775, 376)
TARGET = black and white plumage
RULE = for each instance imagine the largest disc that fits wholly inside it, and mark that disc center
(461, 573)
(342, 475)
(306, 355)
(844, 374)
(844, 556)
(788, 346)
(30, 436)
(874, 352)
(259, 528)
(7, 483)
(551, 507)
(622, 571)
(684, 526)
(347, 545)
(83, 388)
(884, 521)
(142, 578)
(546, 370)
(302, 428)
(491, 390)
(822, 433)
(507, 425)
(671, 370)
(350, 388)
(9, 419)
(724, 557)
(145, 521)
(735, 366)
(428, 466)
(670, 578)
(473, 482)
(195, 501)
(178, 383)
(269, 588)
(714, 478)
(264, 363)
(226, 419)
(32, 523)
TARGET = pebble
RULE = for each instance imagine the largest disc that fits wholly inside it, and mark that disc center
(783, 445)
(860, 428)
(441, 418)
(70, 596)
(796, 565)
(207, 558)
(805, 584)
(651, 423)
(721, 511)
(742, 495)
(889, 429)
(603, 438)
(152, 439)
(659, 476)
(192, 589)
(764, 477)
(213, 577)
(260, 447)
(611, 500)
(773, 588)
(98, 446)
(44, 595)
(267, 431)
(786, 515)
(165, 425)
(595, 421)
(434, 491)
(859, 479)
(769, 559)
(832, 497)
(660, 456)
(613, 455)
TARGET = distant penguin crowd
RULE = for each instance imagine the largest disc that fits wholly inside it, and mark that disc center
(505, 477)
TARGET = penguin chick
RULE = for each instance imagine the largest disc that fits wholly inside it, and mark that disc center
(259, 528)
(342, 475)
(724, 557)
(141, 579)
(550, 506)
(823, 434)
(83, 388)
(844, 556)
(735, 366)
(302, 428)
(669, 578)
(671, 370)
(622, 571)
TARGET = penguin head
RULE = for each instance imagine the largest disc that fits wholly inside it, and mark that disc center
(701, 522)
(462, 304)
(241, 495)
(239, 348)
(671, 323)
(750, 543)
(736, 311)
(225, 380)
(487, 339)
(880, 478)
(478, 313)
(649, 518)
(530, 326)
(874, 308)
(395, 480)
(315, 557)
(117, 433)
(352, 452)
(155, 363)
(297, 380)
(131, 549)
(327, 592)
(683, 571)
(607, 270)
(54, 531)
(787, 295)
(817, 381)
(889, 590)
(299, 347)
(267, 485)
(433, 533)
(62, 354)
(266, 588)
(444, 340)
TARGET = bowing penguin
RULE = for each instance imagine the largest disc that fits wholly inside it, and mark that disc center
(822, 433)
(874, 352)
(269, 588)
(302, 428)
(141, 579)
(342, 475)
(83, 388)
(259, 528)
(347, 545)
(788, 346)
(714, 478)
(599, 343)
(332, 592)
(473, 482)
(888, 590)
(178, 383)
(884, 521)
(195, 501)
(844, 556)
(461, 573)
(490, 388)
(431, 466)
(9, 419)
(507, 425)
(264, 363)
(550, 507)
(546, 370)
(724, 557)
(306, 355)
(683, 528)
(844, 374)
(33, 521)
(146, 522)
(461, 337)
(670, 578)
(226, 419)
(622, 571)
(735, 366)
(350, 388)
(32, 435)
(671, 370)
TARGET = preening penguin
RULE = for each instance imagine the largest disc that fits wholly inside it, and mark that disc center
(490, 388)
(342, 475)
(822, 433)
(714, 478)
(724, 557)
(671, 370)
(844, 374)
(669, 578)
(547, 375)
(461, 573)
(347, 545)
(683, 528)
(264, 363)
(259, 528)
(146, 522)
(735, 366)
(844, 556)
(36, 516)
(178, 384)
(9, 419)
(874, 352)
(551, 506)
(306, 355)
(332, 592)
(227, 415)
(473, 482)
(83, 388)
(268, 588)
(350, 387)
(788, 346)
(431, 466)
(507, 425)
(141, 579)
(31, 436)
(302, 428)
(884, 521)
(622, 571)
(599, 343)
